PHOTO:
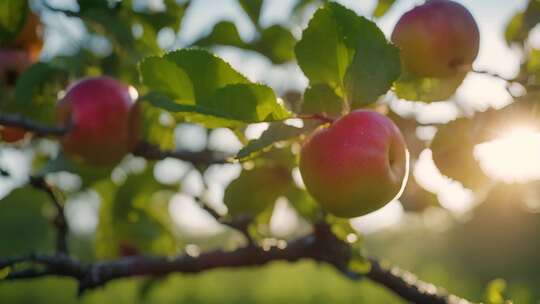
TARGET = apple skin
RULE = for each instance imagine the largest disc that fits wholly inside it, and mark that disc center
(104, 120)
(355, 166)
(12, 134)
(437, 39)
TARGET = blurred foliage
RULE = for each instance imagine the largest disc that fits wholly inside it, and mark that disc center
(427, 89)
(382, 7)
(135, 212)
(266, 184)
(11, 19)
(522, 23)
(25, 213)
(452, 149)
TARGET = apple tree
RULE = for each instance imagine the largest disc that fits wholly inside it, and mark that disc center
(105, 117)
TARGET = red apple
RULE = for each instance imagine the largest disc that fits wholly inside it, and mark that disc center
(437, 39)
(356, 165)
(104, 120)
(12, 134)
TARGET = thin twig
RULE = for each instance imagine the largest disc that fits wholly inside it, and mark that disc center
(240, 224)
(494, 75)
(4, 173)
(319, 117)
(409, 287)
(68, 13)
(205, 157)
(39, 129)
(60, 222)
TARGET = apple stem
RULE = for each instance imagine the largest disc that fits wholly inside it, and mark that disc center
(320, 117)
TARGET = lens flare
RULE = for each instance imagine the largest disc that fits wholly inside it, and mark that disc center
(512, 158)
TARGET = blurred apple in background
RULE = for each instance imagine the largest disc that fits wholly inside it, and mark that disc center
(104, 119)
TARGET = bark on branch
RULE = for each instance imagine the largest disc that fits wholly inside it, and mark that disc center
(60, 222)
(204, 157)
(39, 129)
(144, 149)
(321, 246)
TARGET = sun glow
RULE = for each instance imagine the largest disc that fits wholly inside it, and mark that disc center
(514, 157)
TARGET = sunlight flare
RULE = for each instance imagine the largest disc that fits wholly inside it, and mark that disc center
(514, 157)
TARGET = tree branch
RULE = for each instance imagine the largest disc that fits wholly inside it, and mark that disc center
(205, 157)
(146, 150)
(68, 13)
(493, 74)
(321, 246)
(409, 287)
(240, 224)
(60, 222)
(16, 120)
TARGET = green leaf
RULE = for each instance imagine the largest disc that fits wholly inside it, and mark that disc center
(304, 204)
(453, 152)
(247, 103)
(276, 132)
(252, 9)
(322, 53)
(277, 43)
(231, 105)
(321, 99)
(12, 17)
(32, 79)
(376, 65)
(147, 43)
(171, 16)
(223, 33)
(105, 21)
(265, 185)
(155, 130)
(522, 23)
(85, 5)
(36, 92)
(513, 31)
(206, 71)
(135, 214)
(218, 90)
(302, 4)
(382, 7)
(348, 53)
(427, 89)
(495, 292)
(532, 66)
(166, 77)
(22, 215)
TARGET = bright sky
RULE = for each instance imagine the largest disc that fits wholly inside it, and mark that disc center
(478, 91)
